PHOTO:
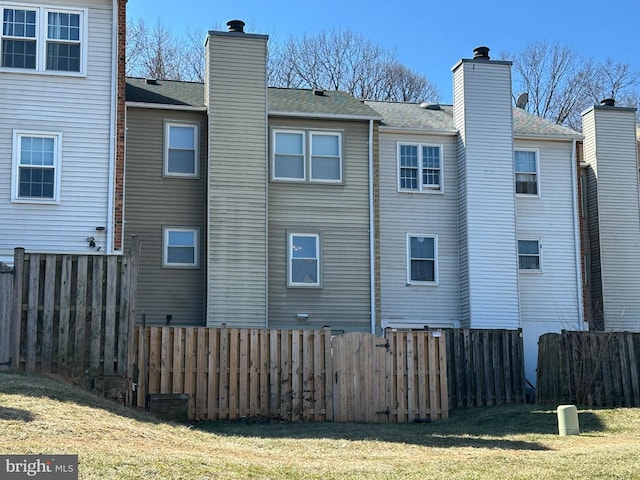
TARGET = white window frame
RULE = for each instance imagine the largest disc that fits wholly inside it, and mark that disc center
(16, 166)
(539, 255)
(537, 173)
(196, 144)
(422, 187)
(42, 40)
(434, 282)
(307, 154)
(318, 258)
(165, 247)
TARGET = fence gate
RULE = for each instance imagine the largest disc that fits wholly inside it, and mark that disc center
(397, 378)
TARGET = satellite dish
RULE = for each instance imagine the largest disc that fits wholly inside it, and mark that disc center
(522, 100)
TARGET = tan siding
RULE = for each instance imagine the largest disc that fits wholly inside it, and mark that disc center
(152, 202)
(421, 213)
(237, 180)
(340, 213)
(79, 108)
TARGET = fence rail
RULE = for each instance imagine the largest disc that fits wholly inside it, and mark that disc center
(589, 368)
(295, 374)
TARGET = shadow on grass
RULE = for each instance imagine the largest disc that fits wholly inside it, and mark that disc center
(490, 427)
(10, 413)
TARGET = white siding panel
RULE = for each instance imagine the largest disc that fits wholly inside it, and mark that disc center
(79, 108)
(420, 213)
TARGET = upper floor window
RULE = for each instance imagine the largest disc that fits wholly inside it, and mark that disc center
(36, 167)
(180, 247)
(181, 150)
(529, 257)
(526, 171)
(420, 168)
(313, 156)
(422, 259)
(43, 39)
(303, 260)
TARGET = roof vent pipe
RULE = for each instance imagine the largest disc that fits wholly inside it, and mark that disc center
(608, 102)
(481, 53)
(236, 26)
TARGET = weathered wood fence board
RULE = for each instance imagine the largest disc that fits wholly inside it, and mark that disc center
(589, 368)
(485, 367)
(296, 374)
(67, 313)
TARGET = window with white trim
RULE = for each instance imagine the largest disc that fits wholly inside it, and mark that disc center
(303, 269)
(422, 259)
(307, 156)
(526, 172)
(43, 39)
(529, 255)
(181, 158)
(180, 247)
(36, 167)
(420, 168)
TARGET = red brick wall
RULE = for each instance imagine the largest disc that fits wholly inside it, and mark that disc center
(118, 212)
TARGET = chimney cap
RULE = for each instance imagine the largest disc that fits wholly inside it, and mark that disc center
(608, 102)
(481, 53)
(236, 26)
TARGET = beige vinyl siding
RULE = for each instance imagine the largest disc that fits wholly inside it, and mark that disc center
(487, 141)
(612, 153)
(153, 201)
(550, 297)
(340, 214)
(401, 213)
(237, 203)
(79, 108)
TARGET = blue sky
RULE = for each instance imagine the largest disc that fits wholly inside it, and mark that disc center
(428, 36)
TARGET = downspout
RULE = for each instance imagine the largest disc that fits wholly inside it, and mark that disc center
(112, 130)
(372, 255)
(577, 233)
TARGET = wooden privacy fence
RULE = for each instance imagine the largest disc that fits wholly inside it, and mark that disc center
(589, 368)
(485, 367)
(296, 374)
(68, 313)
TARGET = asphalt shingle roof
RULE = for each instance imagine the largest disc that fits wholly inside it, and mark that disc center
(165, 92)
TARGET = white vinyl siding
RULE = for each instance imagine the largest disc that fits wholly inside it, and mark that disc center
(422, 259)
(306, 156)
(181, 150)
(36, 167)
(303, 260)
(527, 174)
(180, 247)
(80, 110)
(44, 39)
(420, 168)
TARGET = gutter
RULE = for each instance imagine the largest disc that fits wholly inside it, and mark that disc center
(372, 255)
(166, 106)
(333, 116)
(576, 232)
(419, 130)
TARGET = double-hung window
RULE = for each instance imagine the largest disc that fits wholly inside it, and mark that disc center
(529, 255)
(303, 260)
(422, 259)
(36, 167)
(526, 172)
(180, 247)
(420, 168)
(43, 39)
(307, 156)
(181, 150)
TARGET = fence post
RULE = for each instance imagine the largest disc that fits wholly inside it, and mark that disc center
(16, 314)
(131, 316)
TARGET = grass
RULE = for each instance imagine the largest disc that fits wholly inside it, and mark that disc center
(41, 414)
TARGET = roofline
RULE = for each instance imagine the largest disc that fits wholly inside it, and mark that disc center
(448, 132)
(322, 115)
(609, 108)
(165, 106)
(542, 136)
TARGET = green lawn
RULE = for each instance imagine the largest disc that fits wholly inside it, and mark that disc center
(43, 415)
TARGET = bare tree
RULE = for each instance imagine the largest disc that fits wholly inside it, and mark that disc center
(562, 83)
(344, 60)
